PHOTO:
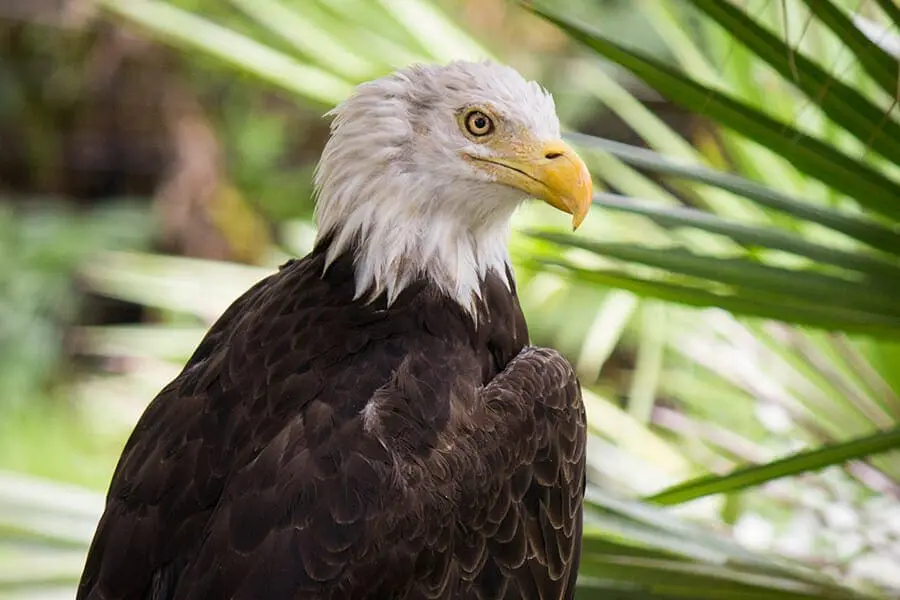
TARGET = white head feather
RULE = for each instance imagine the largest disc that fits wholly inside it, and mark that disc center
(392, 178)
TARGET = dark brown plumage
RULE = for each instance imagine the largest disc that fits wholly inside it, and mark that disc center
(260, 473)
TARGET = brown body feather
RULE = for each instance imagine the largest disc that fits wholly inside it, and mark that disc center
(318, 447)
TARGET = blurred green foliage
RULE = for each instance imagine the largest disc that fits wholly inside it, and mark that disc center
(41, 246)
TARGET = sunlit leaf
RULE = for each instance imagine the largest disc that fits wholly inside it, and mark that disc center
(750, 276)
(858, 227)
(789, 466)
(738, 302)
(880, 65)
(771, 237)
(825, 162)
(846, 106)
(187, 30)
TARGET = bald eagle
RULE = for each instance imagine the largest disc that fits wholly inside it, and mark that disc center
(370, 421)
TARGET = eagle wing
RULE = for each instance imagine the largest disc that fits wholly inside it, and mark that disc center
(392, 505)
(169, 477)
(538, 512)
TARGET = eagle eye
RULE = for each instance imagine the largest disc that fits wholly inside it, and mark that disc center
(478, 124)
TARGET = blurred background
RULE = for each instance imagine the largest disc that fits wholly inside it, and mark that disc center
(730, 305)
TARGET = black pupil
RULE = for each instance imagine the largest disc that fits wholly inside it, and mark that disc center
(480, 123)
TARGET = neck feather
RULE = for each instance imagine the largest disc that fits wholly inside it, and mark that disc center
(404, 236)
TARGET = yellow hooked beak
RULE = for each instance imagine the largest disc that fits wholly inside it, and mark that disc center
(552, 172)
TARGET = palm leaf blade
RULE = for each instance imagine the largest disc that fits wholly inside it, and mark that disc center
(819, 160)
(789, 284)
(789, 466)
(739, 301)
(880, 65)
(185, 29)
(857, 227)
(771, 238)
(843, 104)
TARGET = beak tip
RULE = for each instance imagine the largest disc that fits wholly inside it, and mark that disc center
(583, 206)
(577, 220)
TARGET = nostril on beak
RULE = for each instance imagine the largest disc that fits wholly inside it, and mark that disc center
(552, 155)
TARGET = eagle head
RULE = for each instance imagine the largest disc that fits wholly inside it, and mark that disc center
(425, 167)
